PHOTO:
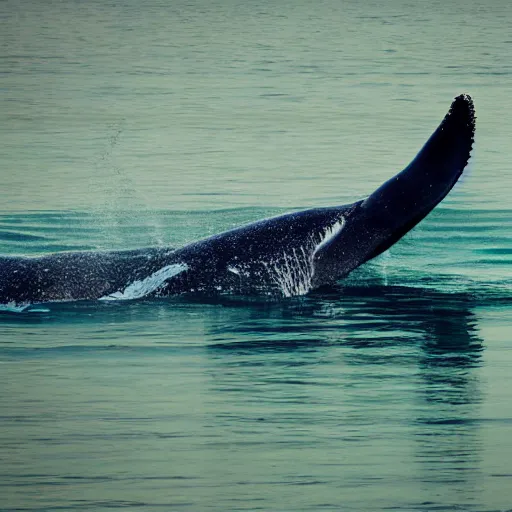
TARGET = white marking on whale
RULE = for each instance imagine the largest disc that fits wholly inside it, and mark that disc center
(150, 284)
(329, 233)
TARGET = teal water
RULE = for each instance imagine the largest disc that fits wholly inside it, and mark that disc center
(128, 125)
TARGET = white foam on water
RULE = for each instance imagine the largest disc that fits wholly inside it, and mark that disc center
(139, 289)
(12, 307)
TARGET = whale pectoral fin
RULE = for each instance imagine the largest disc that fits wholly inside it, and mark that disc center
(407, 198)
(433, 172)
(385, 216)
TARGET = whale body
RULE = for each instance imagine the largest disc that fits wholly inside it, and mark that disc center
(286, 255)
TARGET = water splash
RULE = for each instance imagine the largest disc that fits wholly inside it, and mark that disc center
(293, 272)
(152, 283)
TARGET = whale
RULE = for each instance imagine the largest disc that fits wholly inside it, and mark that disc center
(283, 256)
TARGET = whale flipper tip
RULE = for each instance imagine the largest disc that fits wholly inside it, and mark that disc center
(462, 110)
(450, 146)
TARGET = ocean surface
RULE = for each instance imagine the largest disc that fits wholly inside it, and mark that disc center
(128, 124)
